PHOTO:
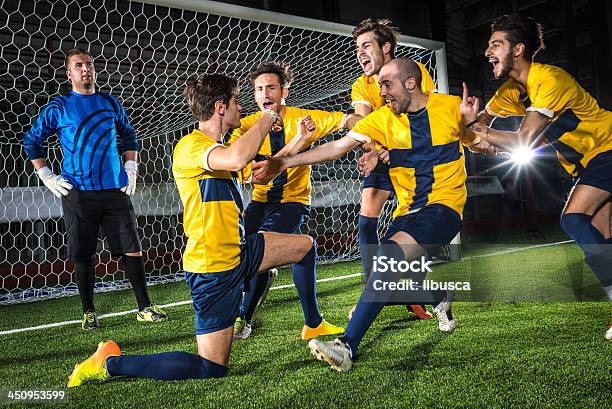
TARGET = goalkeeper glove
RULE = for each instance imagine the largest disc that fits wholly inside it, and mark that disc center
(55, 183)
(131, 168)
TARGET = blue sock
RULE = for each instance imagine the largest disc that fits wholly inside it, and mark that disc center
(371, 302)
(165, 366)
(304, 277)
(578, 226)
(251, 298)
(368, 242)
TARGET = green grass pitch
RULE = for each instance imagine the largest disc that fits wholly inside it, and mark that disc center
(531, 349)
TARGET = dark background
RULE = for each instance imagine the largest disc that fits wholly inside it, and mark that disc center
(577, 38)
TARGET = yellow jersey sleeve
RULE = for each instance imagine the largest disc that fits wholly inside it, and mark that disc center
(361, 92)
(371, 128)
(191, 157)
(506, 101)
(552, 90)
(326, 122)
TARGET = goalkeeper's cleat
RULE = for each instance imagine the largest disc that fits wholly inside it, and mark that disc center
(336, 353)
(608, 335)
(151, 314)
(242, 329)
(324, 328)
(264, 295)
(92, 369)
(90, 321)
(446, 321)
(420, 311)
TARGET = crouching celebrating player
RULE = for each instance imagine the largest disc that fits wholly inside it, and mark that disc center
(423, 134)
(219, 258)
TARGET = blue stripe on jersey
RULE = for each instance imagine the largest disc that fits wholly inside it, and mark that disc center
(423, 156)
(275, 194)
(91, 130)
(566, 122)
(218, 190)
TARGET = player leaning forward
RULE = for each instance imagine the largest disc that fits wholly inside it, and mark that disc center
(424, 135)
(95, 185)
(219, 258)
(558, 110)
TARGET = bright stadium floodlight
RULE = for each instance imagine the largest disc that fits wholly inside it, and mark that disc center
(522, 155)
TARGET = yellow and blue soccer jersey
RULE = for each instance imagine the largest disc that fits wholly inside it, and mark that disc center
(212, 207)
(427, 164)
(366, 90)
(292, 185)
(580, 129)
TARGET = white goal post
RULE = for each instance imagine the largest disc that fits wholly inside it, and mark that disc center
(144, 53)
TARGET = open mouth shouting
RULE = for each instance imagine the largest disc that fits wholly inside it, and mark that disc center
(267, 104)
(366, 63)
(392, 103)
(497, 66)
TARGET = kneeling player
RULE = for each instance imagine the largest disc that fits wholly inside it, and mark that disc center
(219, 259)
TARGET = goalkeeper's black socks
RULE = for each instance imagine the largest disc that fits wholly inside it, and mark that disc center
(86, 279)
(135, 271)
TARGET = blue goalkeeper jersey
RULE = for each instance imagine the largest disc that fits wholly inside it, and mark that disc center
(93, 130)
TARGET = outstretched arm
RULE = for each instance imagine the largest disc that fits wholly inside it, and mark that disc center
(530, 134)
(267, 170)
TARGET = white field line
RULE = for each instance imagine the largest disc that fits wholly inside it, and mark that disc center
(280, 287)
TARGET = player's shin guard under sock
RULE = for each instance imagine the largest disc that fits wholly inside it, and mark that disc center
(135, 270)
(86, 279)
(251, 298)
(371, 301)
(368, 242)
(578, 226)
(304, 277)
(165, 366)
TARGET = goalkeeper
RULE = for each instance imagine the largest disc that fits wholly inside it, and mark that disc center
(95, 185)
(423, 134)
(281, 205)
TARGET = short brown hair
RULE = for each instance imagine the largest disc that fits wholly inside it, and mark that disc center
(521, 30)
(202, 93)
(75, 51)
(281, 69)
(383, 31)
(408, 68)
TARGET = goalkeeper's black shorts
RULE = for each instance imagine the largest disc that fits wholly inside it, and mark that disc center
(86, 210)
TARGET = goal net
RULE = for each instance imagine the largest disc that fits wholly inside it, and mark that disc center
(144, 53)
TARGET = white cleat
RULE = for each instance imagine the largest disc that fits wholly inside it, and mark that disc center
(446, 321)
(336, 353)
(608, 335)
(242, 329)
